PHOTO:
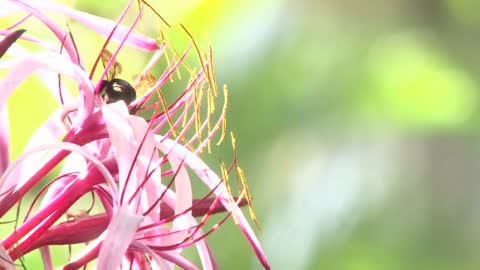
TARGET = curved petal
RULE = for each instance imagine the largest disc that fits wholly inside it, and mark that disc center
(130, 135)
(184, 197)
(125, 223)
(9, 40)
(61, 35)
(5, 260)
(100, 25)
(211, 180)
(48, 133)
(148, 164)
(7, 178)
(42, 43)
(7, 9)
(48, 78)
(4, 140)
(24, 67)
(123, 145)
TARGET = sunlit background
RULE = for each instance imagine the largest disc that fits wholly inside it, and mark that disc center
(356, 122)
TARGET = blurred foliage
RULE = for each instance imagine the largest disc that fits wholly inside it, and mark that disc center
(411, 85)
(356, 124)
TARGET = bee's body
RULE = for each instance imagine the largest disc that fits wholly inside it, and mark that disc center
(114, 89)
(117, 89)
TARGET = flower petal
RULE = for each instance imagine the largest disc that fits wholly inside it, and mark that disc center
(211, 180)
(48, 133)
(61, 35)
(158, 260)
(22, 68)
(123, 145)
(183, 198)
(100, 25)
(7, 9)
(5, 261)
(127, 134)
(124, 224)
(42, 43)
(4, 140)
(8, 178)
(148, 163)
(9, 40)
(48, 78)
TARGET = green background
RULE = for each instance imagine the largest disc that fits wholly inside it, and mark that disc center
(356, 124)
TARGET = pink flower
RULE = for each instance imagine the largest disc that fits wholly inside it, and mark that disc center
(139, 169)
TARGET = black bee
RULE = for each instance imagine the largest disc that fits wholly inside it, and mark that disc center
(117, 89)
(114, 89)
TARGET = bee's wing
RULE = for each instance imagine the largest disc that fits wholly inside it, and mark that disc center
(116, 67)
(143, 82)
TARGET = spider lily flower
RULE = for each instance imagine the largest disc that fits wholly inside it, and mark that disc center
(140, 169)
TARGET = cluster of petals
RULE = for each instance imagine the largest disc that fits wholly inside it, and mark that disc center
(137, 161)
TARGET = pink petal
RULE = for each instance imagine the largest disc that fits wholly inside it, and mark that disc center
(40, 42)
(9, 40)
(77, 231)
(153, 188)
(123, 145)
(127, 135)
(48, 78)
(206, 257)
(46, 258)
(61, 35)
(5, 261)
(177, 259)
(100, 25)
(48, 133)
(51, 82)
(9, 176)
(7, 9)
(211, 180)
(4, 140)
(184, 197)
(165, 259)
(120, 234)
(24, 67)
